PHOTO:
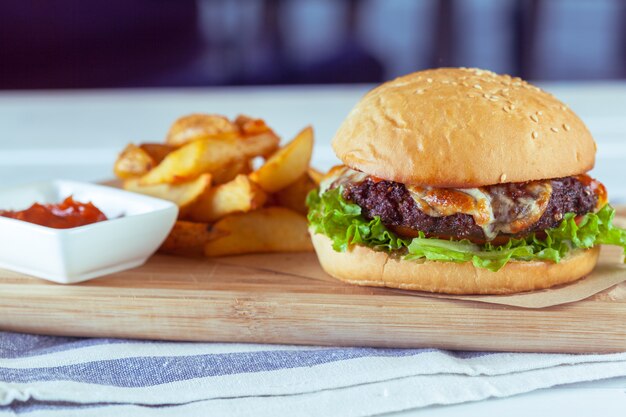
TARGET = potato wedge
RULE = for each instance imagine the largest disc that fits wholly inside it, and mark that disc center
(287, 164)
(294, 195)
(263, 144)
(157, 151)
(236, 196)
(133, 162)
(195, 158)
(242, 119)
(231, 171)
(188, 238)
(315, 175)
(183, 194)
(249, 126)
(223, 158)
(200, 126)
(271, 229)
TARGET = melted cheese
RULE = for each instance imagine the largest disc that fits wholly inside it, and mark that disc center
(439, 202)
(493, 208)
(514, 216)
(339, 175)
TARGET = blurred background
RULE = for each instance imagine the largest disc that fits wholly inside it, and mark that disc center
(73, 72)
(167, 43)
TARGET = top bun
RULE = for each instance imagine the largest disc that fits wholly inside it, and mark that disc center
(463, 127)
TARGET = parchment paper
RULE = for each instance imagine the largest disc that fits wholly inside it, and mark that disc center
(609, 272)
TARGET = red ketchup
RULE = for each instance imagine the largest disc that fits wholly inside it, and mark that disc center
(65, 215)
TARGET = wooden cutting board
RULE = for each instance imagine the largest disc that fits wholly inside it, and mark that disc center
(175, 298)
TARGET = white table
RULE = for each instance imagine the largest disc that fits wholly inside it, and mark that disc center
(77, 135)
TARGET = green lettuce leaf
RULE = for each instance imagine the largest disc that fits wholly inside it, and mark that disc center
(342, 221)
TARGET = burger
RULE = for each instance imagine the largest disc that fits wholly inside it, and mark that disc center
(461, 181)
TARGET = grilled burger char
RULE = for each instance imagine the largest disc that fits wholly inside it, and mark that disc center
(493, 213)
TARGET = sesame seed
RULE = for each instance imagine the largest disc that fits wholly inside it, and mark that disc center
(566, 127)
(429, 80)
(502, 177)
(486, 95)
(540, 113)
(554, 129)
(494, 98)
(506, 109)
(535, 135)
(478, 87)
(512, 106)
(419, 91)
(534, 118)
(563, 108)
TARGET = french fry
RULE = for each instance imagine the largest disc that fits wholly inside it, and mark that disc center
(195, 158)
(223, 158)
(183, 194)
(133, 162)
(157, 151)
(200, 126)
(188, 238)
(294, 195)
(230, 171)
(242, 119)
(249, 126)
(263, 144)
(315, 175)
(271, 229)
(206, 168)
(287, 164)
(238, 195)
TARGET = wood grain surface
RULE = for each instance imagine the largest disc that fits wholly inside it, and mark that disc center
(244, 300)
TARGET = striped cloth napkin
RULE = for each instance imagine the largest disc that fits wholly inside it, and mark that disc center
(61, 376)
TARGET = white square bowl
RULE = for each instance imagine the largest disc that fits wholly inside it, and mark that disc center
(136, 228)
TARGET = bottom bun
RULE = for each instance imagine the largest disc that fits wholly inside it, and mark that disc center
(364, 266)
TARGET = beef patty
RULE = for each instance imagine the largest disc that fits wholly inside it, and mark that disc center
(399, 211)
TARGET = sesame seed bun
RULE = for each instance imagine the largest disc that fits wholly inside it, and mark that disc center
(364, 266)
(457, 127)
